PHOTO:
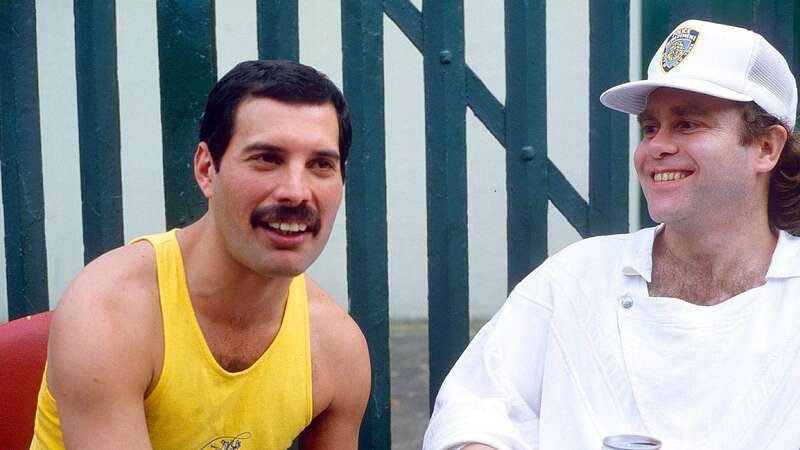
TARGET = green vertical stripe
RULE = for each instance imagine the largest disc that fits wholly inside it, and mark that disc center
(98, 126)
(277, 29)
(655, 27)
(733, 12)
(188, 70)
(21, 161)
(794, 57)
(680, 10)
(608, 130)
(367, 267)
(774, 19)
(526, 137)
(446, 170)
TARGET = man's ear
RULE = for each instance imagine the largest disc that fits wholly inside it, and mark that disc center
(204, 171)
(770, 146)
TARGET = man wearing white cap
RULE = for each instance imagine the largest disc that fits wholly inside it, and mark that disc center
(687, 332)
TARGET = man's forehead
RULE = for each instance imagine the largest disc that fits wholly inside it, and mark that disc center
(678, 102)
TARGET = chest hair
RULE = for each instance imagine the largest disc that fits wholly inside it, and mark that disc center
(234, 347)
(698, 284)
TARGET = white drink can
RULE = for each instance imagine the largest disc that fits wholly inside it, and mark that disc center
(631, 442)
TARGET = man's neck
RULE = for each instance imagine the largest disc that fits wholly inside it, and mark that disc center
(710, 266)
(223, 289)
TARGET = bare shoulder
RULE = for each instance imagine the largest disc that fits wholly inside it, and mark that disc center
(341, 374)
(339, 355)
(119, 285)
(108, 320)
(337, 333)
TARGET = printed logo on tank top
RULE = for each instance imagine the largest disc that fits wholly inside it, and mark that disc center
(227, 442)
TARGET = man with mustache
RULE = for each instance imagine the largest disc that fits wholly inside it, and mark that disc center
(686, 332)
(211, 336)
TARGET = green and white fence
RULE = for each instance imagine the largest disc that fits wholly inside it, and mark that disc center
(100, 103)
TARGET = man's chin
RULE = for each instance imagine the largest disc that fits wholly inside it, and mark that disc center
(287, 268)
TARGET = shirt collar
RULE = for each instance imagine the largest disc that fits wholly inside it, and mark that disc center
(785, 261)
(638, 256)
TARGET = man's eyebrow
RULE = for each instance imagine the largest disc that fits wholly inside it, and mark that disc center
(678, 110)
(333, 154)
(689, 110)
(261, 146)
(644, 116)
(265, 146)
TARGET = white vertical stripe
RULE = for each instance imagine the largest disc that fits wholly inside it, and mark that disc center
(484, 36)
(236, 33)
(635, 73)
(484, 44)
(567, 106)
(405, 176)
(488, 250)
(140, 119)
(321, 37)
(321, 48)
(58, 110)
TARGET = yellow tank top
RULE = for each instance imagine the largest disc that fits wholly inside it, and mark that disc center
(196, 404)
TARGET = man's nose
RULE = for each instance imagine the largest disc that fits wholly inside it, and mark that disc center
(293, 188)
(660, 145)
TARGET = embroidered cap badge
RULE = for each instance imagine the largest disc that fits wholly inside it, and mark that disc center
(677, 47)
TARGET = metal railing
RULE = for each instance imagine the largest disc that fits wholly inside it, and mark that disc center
(187, 67)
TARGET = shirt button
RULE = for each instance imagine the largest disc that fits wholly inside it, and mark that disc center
(627, 302)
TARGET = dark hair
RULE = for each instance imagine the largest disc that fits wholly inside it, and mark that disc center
(285, 81)
(783, 202)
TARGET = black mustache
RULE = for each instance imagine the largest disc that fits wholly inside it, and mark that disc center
(282, 213)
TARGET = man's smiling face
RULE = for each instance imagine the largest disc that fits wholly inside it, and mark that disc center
(691, 163)
(275, 195)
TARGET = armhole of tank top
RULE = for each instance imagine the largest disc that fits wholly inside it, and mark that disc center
(307, 343)
(155, 242)
(45, 387)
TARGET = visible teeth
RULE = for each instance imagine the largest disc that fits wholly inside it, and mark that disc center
(288, 227)
(669, 176)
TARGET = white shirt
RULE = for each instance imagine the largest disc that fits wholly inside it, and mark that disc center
(580, 351)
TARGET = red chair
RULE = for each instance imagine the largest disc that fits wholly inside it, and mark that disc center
(23, 352)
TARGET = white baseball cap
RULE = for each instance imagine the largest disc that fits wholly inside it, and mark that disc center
(718, 60)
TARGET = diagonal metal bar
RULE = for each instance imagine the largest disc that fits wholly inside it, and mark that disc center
(479, 99)
(277, 29)
(21, 160)
(408, 18)
(367, 259)
(486, 107)
(98, 126)
(567, 200)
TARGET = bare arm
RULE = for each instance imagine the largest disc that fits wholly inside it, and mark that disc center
(99, 366)
(343, 376)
